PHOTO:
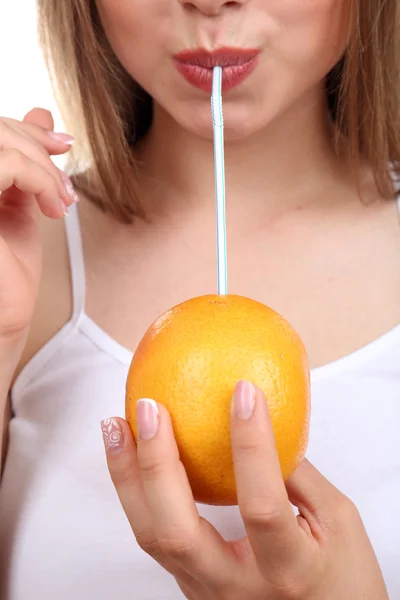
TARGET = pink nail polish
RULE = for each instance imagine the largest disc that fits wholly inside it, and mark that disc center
(147, 418)
(64, 209)
(69, 186)
(112, 435)
(243, 400)
(62, 137)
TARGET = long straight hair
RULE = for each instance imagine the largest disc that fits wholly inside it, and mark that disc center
(109, 112)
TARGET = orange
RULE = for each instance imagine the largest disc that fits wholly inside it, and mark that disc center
(190, 360)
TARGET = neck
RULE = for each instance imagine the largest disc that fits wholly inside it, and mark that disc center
(281, 167)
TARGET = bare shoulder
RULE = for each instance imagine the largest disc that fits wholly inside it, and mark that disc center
(54, 302)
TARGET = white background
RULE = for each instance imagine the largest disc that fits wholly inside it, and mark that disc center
(24, 83)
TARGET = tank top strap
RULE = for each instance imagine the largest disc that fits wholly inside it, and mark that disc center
(76, 260)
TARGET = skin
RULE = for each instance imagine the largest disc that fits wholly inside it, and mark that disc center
(283, 80)
(322, 553)
(294, 217)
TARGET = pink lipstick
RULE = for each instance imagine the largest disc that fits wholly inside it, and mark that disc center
(196, 66)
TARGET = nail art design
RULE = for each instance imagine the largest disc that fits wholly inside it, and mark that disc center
(112, 434)
(69, 187)
(64, 208)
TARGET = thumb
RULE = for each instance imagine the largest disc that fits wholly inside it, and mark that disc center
(41, 117)
(315, 496)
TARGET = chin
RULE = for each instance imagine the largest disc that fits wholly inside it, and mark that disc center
(240, 121)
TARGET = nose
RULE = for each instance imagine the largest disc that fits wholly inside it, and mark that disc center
(211, 7)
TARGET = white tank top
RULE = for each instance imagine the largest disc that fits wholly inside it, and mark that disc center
(63, 533)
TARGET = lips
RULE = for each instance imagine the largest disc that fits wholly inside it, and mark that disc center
(197, 65)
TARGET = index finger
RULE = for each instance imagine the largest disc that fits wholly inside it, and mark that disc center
(267, 514)
(46, 138)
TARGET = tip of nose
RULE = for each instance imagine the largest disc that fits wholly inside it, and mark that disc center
(211, 8)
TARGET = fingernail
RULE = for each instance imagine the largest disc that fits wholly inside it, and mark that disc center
(64, 209)
(69, 186)
(112, 435)
(62, 137)
(243, 400)
(147, 418)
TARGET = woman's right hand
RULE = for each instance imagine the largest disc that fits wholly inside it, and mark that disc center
(30, 183)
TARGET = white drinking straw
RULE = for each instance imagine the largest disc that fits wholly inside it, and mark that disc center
(219, 167)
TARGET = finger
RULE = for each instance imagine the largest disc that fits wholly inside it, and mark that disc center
(317, 499)
(39, 121)
(14, 139)
(122, 464)
(16, 169)
(194, 590)
(124, 470)
(190, 540)
(40, 116)
(267, 514)
(54, 143)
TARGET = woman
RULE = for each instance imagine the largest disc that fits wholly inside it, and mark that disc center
(311, 126)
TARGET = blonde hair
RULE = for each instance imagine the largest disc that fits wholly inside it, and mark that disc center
(109, 112)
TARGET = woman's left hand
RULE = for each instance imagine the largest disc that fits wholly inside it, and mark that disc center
(322, 554)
